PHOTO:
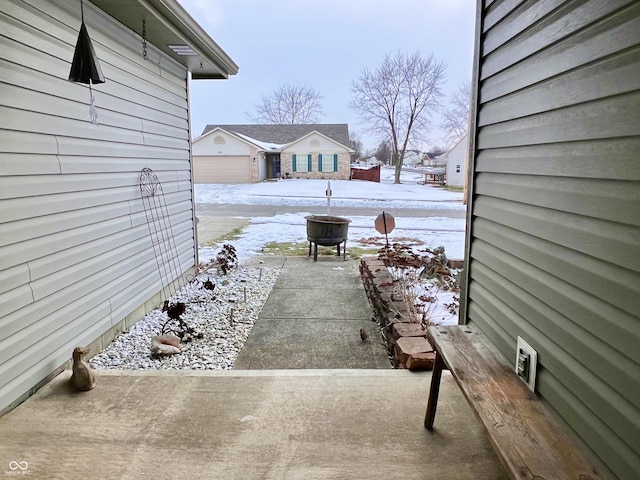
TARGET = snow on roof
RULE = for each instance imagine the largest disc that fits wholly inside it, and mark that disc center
(268, 147)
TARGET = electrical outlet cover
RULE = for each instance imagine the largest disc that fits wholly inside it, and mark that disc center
(523, 346)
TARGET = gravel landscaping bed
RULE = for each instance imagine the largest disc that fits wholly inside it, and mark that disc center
(224, 317)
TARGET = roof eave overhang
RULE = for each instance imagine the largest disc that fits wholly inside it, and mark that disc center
(168, 24)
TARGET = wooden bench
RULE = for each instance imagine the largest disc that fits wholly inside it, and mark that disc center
(529, 441)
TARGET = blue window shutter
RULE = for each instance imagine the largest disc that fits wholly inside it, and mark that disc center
(319, 162)
(310, 165)
(335, 162)
(294, 162)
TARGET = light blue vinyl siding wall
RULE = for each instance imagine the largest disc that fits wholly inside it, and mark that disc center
(554, 216)
(75, 253)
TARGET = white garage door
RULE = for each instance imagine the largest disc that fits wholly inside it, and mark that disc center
(221, 169)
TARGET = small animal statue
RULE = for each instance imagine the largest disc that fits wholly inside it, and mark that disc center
(83, 377)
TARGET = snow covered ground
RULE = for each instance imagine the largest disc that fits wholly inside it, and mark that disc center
(346, 193)
(430, 232)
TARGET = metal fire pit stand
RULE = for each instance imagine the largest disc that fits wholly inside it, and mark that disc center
(315, 250)
(327, 231)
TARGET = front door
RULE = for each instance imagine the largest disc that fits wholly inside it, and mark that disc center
(273, 162)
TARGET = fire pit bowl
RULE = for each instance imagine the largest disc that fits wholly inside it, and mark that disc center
(327, 231)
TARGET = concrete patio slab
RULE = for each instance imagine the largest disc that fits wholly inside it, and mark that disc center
(303, 424)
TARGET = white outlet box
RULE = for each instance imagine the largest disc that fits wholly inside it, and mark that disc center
(526, 363)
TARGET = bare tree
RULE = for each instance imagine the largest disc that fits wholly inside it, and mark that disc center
(384, 152)
(396, 100)
(456, 117)
(289, 104)
(355, 144)
(437, 150)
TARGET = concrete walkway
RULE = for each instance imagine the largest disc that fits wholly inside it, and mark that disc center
(212, 229)
(312, 319)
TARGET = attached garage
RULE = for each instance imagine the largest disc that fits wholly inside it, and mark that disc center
(224, 157)
(221, 169)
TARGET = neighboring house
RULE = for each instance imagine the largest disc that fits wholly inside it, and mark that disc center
(412, 158)
(432, 160)
(252, 153)
(553, 233)
(76, 259)
(456, 161)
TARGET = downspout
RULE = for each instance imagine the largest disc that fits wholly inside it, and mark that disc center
(469, 181)
(194, 218)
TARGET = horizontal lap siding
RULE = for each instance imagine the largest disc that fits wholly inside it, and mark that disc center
(555, 220)
(75, 251)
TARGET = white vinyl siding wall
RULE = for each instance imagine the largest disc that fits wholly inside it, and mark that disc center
(554, 246)
(457, 163)
(75, 253)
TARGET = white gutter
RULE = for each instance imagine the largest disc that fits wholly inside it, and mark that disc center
(188, 27)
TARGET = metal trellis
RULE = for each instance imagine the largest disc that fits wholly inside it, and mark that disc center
(161, 233)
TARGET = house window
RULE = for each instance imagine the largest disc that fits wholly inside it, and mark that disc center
(301, 162)
(457, 168)
(219, 140)
(328, 162)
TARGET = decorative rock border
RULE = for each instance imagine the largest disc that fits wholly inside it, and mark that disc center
(407, 342)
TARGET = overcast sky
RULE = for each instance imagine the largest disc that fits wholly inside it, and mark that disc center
(324, 44)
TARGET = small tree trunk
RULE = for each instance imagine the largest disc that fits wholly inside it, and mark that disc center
(398, 171)
(398, 165)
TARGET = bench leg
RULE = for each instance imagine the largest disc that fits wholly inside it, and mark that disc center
(438, 365)
(315, 252)
(338, 254)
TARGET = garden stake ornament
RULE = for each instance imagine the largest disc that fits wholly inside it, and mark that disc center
(85, 67)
